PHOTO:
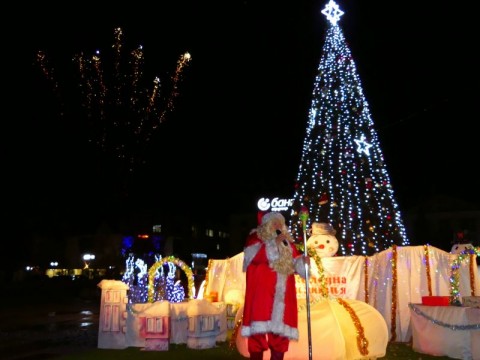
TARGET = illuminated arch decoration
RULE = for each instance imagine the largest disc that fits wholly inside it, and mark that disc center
(170, 259)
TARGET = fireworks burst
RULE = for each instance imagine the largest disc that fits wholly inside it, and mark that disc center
(122, 113)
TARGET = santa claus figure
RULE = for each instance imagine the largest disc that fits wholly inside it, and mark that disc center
(270, 314)
(323, 240)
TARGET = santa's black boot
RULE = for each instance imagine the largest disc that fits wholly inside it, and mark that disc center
(276, 355)
(256, 355)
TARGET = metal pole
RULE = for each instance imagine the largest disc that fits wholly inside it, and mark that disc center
(304, 217)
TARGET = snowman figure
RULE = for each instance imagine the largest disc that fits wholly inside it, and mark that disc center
(461, 248)
(323, 239)
(462, 244)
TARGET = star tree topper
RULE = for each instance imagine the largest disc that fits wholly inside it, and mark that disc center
(363, 146)
(332, 12)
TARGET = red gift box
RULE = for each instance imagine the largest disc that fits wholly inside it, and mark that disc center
(436, 300)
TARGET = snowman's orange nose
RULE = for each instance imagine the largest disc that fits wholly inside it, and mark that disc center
(321, 246)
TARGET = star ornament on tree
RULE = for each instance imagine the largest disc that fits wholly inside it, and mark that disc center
(363, 146)
(332, 12)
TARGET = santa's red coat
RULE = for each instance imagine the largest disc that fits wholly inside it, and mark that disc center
(270, 297)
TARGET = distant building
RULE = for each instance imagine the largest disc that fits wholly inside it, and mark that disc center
(437, 221)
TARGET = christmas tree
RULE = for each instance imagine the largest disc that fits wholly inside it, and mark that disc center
(342, 178)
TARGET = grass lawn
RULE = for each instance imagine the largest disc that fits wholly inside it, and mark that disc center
(222, 351)
(48, 328)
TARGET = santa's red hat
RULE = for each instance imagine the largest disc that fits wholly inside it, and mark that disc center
(260, 215)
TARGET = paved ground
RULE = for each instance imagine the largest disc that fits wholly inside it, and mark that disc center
(44, 320)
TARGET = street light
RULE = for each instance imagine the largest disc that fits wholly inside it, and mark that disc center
(87, 258)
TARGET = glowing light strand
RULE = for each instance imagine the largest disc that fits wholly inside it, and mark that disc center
(117, 47)
(122, 114)
(181, 63)
(393, 323)
(48, 71)
(455, 276)
(454, 327)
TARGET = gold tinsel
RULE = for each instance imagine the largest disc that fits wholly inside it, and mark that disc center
(362, 342)
(209, 267)
(318, 261)
(427, 269)
(323, 282)
(394, 294)
(365, 270)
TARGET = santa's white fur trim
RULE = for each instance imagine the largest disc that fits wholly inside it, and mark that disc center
(263, 327)
(271, 216)
(249, 253)
(279, 304)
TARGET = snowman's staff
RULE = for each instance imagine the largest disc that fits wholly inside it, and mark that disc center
(304, 217)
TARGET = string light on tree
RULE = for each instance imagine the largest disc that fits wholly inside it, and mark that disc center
(342, 178)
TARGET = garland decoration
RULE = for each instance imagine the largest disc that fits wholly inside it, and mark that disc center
(454, 276)
(209, 266)
(362, 341)
(169, 259)
(427, 269)
(318, 261)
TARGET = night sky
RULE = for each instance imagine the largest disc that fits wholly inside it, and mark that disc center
(237, 128)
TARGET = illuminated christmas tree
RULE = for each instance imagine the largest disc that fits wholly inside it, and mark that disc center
(342, 178)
